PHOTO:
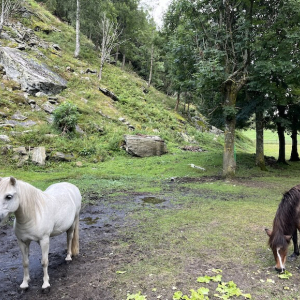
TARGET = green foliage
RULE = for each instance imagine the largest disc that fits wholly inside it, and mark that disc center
(228, 290)
(66, 117)
(229, 112)
(207, 279)
(200, 294)
(225, 290)
(285, 275)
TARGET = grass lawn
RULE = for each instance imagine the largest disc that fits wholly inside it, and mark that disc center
(207, 223)
(271, 142)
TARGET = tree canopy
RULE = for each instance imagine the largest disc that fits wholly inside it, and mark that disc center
(242, 52)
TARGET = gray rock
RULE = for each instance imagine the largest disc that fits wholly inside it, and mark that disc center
(48, 107)
(22, 160)
(62, 156)
(215, 130)
(39, 156)
(56, 47)
(88, 70)
(79, 130)
(31, 74)
(144, 146)
(13, 123)
(40, 94)
(4, 138)
(17, 116)
(7, 125)
(20, 151)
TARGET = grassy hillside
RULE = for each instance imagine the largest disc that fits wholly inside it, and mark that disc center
(147, 110)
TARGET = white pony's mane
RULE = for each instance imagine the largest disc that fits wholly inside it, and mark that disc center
(31, 198)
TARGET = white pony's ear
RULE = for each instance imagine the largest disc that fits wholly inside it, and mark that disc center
(13, 181)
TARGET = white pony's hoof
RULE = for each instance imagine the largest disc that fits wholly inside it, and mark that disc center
(24, 285)
(68, 258)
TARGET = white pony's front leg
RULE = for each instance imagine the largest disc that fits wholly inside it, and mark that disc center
(25, 253)
(44, 243)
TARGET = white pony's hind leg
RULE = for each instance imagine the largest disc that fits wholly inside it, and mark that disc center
(44, 243)
(25, 254)
(71, 234)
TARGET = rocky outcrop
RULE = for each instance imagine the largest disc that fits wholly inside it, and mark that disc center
(33, 76)
(39, 156)
(108, 93)
(36, 155)
(145, 145)
(4, 138)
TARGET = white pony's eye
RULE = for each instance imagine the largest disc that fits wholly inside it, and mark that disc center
(8, 197)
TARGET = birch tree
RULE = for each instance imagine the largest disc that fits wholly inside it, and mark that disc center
(110, 36)
(77, 47)
(7, 8)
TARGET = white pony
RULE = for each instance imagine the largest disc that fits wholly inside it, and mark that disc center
(40, 215)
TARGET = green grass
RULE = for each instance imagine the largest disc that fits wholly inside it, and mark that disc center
(210, 223)
(271, 142)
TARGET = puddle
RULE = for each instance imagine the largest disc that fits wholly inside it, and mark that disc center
(90, 220)
(152, 200)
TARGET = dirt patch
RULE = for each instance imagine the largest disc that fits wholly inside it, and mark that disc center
(94, 273)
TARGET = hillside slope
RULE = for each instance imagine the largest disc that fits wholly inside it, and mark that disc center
(103, 121)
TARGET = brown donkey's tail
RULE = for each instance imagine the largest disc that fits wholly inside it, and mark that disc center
(75, 240)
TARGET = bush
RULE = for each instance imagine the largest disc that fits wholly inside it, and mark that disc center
(66, 117)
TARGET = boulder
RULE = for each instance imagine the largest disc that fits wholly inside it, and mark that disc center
(59, 156)
(20, 151)
(12, 123)
(4, 138)
(48, 107)
(145, 145)
(18, 116)
(107, 93)
(33, 76)
(38, 156)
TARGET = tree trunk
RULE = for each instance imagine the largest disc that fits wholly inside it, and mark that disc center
(294, 152)
(281, 137)
(117, 54)
(177, 102)
(77, 48)
(151, 65)
(102, 61)
(229, 163)
(124, 60)
(2, 17)
(260, 158)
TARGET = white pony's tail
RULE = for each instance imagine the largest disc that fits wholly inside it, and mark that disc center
(75, 240)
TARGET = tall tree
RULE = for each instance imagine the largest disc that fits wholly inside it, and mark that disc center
(110, 35)
(232, 36)
(223, 35)
(8, 7)
(77, 46)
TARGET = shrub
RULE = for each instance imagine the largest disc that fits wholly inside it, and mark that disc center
(66, 117)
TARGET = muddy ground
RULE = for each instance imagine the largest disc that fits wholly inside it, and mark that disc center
(93, 274)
